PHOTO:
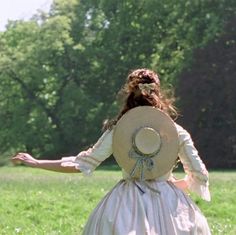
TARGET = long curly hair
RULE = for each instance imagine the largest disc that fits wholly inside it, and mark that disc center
(143, 88)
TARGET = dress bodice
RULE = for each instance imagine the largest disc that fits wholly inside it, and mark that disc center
(196, 173)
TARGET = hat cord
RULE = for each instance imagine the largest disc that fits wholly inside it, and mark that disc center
(142, 161)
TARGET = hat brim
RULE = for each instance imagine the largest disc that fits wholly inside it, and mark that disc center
(146, 116)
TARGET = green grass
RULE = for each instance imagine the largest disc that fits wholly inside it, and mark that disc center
(35, 202)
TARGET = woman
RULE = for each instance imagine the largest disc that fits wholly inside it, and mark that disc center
(129, 208)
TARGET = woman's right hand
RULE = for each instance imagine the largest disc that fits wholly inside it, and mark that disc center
(24, 158)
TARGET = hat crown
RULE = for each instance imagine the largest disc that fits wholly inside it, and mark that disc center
(147, 141)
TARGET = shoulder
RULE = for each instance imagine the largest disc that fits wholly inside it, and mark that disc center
(182, 133)
(106, 138)
(179, 128)
(108, 133)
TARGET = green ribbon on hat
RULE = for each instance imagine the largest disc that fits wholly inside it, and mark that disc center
(142, 161)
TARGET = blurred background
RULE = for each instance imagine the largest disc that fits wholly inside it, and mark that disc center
(61, 67)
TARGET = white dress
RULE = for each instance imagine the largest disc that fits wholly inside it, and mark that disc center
(132, 209)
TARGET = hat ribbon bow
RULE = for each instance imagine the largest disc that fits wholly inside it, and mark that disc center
(141, 161)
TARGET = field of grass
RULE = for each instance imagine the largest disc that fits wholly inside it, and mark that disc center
(37, 202)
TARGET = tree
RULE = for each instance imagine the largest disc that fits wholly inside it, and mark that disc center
(208, 99)
(60, 72)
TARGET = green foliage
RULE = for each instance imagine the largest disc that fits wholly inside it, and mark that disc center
(60, 72)
(209, 87)
(38, 202)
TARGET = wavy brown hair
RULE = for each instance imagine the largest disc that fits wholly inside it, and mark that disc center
(143, 88)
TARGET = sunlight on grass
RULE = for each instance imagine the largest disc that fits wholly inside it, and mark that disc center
(34, 201)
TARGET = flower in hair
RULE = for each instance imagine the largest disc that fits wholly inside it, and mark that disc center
(147, 87)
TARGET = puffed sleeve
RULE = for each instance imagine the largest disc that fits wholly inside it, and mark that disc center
(87, 161)
(196, 173)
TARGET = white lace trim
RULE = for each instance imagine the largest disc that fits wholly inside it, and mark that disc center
(201, 188)
(85, 167)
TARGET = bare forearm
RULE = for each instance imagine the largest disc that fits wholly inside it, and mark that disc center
(55, 165)
(52, 165)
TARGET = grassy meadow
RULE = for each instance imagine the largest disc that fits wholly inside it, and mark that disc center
(37, 202)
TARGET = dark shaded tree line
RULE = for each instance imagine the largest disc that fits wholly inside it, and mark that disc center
(207, 92)
(60, 72)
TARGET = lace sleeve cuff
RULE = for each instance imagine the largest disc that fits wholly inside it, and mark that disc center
(200, 187)
(83, 162)
(87, 161)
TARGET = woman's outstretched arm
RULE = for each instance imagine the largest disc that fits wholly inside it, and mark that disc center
(52, 165)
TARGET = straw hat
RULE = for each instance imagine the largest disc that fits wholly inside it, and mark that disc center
(145, 143)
